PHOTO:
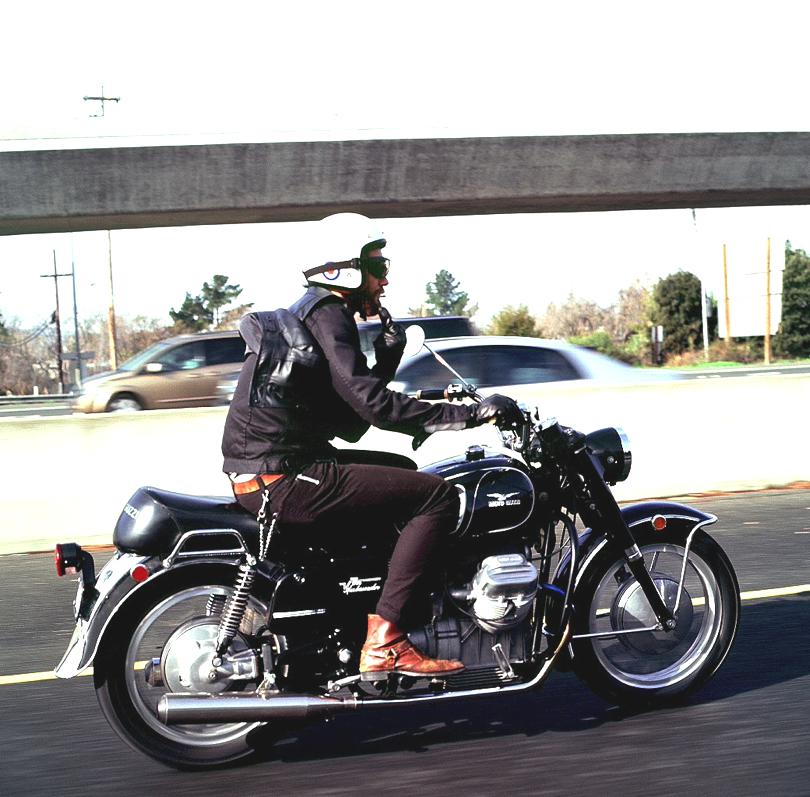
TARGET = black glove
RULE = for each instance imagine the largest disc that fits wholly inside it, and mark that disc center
(392, 336)
(500, 409)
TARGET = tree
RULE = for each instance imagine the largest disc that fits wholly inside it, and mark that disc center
(193, 315)
(445, 297)
(218, 295)
(132, 336)
(28, 359)
(198, 313)
(513, 321)
(574, 318)
(632, 314)
(793, 339)
(677, 307)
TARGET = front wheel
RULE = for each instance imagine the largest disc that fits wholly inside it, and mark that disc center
(163, 645)
(124, 402)
(637, 667)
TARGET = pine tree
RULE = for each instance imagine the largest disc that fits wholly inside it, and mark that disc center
(445, 297)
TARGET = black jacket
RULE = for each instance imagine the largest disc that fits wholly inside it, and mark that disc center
(290, 403)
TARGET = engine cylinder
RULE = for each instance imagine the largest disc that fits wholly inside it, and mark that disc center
(502, 591)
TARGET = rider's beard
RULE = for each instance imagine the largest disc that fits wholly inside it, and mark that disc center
(364, 304)
(371, 305)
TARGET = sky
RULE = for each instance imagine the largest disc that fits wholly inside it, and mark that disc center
(204, 72)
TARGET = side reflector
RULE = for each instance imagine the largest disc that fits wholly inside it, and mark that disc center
(139, 573)
(659, 522)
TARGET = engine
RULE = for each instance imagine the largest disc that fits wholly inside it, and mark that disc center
(491, 627)
(502, 592)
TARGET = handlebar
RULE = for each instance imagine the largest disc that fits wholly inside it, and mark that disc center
(454, 392)
(431, 394)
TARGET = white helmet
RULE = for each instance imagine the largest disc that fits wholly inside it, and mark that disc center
(342, 241)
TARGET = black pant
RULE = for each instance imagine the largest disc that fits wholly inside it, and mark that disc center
(373, 496)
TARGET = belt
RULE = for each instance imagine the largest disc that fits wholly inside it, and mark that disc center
(258, 483)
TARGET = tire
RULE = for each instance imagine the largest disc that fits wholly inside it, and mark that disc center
(125, 402)
(654, 668)
(129, 701)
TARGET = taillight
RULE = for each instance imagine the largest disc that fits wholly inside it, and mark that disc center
(67, 558)
(70, 559)
(659, 522)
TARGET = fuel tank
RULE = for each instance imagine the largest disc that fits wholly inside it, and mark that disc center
(496, 492)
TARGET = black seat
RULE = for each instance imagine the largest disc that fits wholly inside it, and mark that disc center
(153, 521)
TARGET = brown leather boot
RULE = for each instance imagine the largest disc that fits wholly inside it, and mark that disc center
(387, 650)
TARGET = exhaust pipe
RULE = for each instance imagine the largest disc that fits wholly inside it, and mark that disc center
(190, 708)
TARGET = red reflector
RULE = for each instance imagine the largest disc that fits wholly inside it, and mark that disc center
(139, 573)
(659, 522)
(59, 561)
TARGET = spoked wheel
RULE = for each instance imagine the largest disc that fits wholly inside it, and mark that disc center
(631, 666)
(167, 646)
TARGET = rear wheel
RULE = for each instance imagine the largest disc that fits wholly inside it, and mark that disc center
(166, 646)
(655, 667)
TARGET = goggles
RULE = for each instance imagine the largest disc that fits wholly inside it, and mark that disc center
(378, 267)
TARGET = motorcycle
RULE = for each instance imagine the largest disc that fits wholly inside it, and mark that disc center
(209, 630)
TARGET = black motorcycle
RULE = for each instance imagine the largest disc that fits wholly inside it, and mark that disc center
(209, 631)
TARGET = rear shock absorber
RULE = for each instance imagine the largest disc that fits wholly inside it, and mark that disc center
(215, 605)
(234, 611)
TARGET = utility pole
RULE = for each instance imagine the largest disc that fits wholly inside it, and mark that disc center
(79, 361)
(703, 309)
(102, 99)
(725, 296)
(111, 311)
(768, 305)
(55, 278)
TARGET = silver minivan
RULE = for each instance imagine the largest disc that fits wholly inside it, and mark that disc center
(182, 371)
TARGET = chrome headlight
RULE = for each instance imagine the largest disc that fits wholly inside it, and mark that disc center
(612, 448)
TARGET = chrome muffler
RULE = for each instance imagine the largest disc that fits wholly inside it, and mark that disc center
(190, 708)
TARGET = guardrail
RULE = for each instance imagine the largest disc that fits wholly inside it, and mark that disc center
(50, 398)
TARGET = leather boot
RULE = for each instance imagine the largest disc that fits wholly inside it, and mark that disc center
(387, 650)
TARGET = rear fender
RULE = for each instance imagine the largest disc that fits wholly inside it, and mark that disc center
(117, 591)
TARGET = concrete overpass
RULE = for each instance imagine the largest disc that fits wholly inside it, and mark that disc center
(64, 190)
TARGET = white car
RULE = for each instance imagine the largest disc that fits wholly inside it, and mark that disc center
(494, 361)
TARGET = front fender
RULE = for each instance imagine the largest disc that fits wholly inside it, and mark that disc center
(115, 589)
(681, 519)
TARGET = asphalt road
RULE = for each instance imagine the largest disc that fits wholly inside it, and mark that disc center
(744, 734)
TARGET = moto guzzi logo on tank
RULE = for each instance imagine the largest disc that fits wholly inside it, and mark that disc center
(503, 499)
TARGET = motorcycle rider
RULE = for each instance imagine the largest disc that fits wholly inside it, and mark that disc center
(281, 419)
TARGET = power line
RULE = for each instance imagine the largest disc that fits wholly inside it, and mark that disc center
(30, 336)
(60, 365)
